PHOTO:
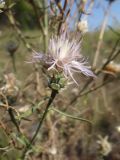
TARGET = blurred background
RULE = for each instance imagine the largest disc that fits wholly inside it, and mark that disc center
(27, 25)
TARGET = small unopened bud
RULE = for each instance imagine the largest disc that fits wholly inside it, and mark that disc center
(82, 26)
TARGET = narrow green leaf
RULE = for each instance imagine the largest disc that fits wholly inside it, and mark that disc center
(70, 116)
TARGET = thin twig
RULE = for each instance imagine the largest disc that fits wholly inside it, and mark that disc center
(13, 119)
(99, 86)
(10, 110)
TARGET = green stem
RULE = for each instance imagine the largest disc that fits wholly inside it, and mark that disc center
(53, 95)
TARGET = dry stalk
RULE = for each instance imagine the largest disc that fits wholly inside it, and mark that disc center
(102, 31)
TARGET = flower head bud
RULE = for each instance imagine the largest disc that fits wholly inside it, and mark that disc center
(82, 26)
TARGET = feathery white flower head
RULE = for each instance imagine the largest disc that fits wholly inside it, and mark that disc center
(63, 55)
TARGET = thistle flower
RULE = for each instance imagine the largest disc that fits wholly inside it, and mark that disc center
(63, 56)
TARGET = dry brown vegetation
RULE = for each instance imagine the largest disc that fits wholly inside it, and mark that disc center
(83, 122)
